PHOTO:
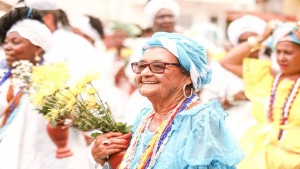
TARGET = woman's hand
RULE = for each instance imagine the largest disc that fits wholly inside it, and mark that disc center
(296, 30)
(228, 102)
(270, 27)
(107, 144)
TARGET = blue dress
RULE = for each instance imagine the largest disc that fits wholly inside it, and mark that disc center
(200, 139)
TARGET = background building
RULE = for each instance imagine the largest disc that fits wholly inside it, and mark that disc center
(202, 15)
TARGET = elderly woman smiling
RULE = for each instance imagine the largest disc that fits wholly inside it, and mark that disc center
(176, 131)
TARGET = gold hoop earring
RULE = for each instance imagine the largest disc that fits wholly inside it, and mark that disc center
(37, 58)
(184, 94)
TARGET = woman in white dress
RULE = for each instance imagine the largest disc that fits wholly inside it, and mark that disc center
(24, 142)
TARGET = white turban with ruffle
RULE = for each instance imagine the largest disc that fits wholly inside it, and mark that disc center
(247, 23)
(154, 6)
(84, 25)
(42, 4)
(36, 32)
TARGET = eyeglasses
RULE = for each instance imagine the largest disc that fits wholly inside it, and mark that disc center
(155, 67)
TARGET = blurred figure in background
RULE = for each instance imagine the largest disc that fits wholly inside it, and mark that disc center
(161, 15)
(120, 51)
(231, 92)
(81, 57)
(90, 28)
(68, 47)
(24, 142)
(272, 142)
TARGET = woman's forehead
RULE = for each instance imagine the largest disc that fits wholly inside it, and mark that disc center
(158, 53)
(164, 11)
(14, 34)
(287, 45)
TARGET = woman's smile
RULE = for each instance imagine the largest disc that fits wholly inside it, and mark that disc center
(149, 82)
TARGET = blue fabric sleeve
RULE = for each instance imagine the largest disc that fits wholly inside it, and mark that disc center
(210, 144)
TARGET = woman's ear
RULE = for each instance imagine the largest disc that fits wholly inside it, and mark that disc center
(40, 52)
(189, 80)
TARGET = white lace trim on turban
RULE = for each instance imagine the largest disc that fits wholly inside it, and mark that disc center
(154, 6)
(247, 23)
(36, 32)
(83, 24)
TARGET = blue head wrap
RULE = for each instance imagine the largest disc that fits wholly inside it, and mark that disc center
(283, 32)
(191, 55)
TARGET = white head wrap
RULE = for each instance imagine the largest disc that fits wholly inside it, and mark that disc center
(84, 25)
(154, 6)
(247, 23)
(42, 4)
(36, 32)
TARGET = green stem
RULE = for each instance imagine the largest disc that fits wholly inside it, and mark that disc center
(106, 109)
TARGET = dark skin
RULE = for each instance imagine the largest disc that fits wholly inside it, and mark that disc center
(18, 48)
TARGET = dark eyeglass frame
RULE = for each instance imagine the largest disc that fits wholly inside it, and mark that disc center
(151, 65)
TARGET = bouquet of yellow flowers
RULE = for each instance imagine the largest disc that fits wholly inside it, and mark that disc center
(58, 98)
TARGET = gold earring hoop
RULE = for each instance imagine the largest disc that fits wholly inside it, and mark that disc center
(37, 58)
(184, 94)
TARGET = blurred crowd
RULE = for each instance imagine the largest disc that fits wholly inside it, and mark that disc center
(86, 44)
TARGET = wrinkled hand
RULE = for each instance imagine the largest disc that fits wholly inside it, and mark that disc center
(101, 152)
(227, 103)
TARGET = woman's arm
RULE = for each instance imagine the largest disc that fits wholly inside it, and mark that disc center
(233, 60)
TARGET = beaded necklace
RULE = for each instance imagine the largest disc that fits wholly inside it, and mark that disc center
(287, 104)
(158, 140)
(160, 145)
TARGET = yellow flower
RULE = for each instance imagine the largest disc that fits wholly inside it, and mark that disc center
(38, 98)
(76, 90)
(71, 104)
(87, 79)
(92, 100)
(64, 96)
(48, 117)
(92, 103)
(57, 73)
(50, 88)
(54, 113)
(91, 91)
(126, 52)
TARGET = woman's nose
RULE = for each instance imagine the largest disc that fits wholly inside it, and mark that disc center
(146, 70)
(170, 18)
(7, 47)
(281, 56)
